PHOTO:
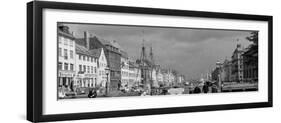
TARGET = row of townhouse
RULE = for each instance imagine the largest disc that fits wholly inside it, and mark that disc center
(131, 73)
(166, 77)
(230, 70)
(79, 66)
(243, 66)
(83, 63)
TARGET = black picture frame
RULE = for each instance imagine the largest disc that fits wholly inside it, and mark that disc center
(35, 60)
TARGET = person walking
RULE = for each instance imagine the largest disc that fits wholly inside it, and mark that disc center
(197, 90)
(205, 88)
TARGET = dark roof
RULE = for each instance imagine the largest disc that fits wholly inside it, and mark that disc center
(80, 41)
(96, 52)
(133, 64)
(83, 50)
(65, 34)
(107, 42)
(103, 41)
(115, 44)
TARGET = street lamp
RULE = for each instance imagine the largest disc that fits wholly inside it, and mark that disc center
(107, 70)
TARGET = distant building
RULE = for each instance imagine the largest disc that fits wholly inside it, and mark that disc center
(165, 77)
(134, 74)
(168, 77)
(226, 71)
(180, 79)
(159, 77)
(124, 68)
(237, 64)
(216, 72)
(250, 62)
(66, 57)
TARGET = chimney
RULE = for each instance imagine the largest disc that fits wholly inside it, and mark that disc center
(87, 39)
(72, 33)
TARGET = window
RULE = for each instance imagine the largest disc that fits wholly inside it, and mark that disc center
(88, 58)
(88, 69)
(84, 68)
(71, 54)
(92, 69)
(95, 69)
(84, 58)
(60, 52)
(65, 54)
(65, 66)
(71, 67)
(60, 39)
(60, 66)
(70, 43)
(91, 59)
(65, 41)
(80, 68)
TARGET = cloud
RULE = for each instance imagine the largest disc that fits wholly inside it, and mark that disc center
(190, 51)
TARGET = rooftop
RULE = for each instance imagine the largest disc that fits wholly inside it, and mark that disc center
(83, 50)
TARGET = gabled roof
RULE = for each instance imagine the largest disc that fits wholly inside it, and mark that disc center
(115, 44)
(83, 50)
(80, 41)
(65, 34)
(96, 52)
(103, 41)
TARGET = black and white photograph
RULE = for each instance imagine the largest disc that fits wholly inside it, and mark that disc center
(106, 60)
(91, 61)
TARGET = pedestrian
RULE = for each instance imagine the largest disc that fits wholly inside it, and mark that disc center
(205, 88)
(197, 90)
(92, 94)
(214, 89)
(119, 84)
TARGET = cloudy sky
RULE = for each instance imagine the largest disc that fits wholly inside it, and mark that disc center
(192, 52)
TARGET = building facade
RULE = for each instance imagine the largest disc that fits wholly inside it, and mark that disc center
(237, 64)
(86, 64)
(226, 71)
(134, 74)
(113, 56)
(66, 58)
(250, 63)
(216, 73)
(181, 79)
(101, 67)
(160, 77)
(124, 69)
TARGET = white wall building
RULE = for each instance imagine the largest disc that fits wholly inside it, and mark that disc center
(66, 57)
(101, 66)
(154, 77)
(160, 77)
(86, 64)
(124, 69)
(134, 74)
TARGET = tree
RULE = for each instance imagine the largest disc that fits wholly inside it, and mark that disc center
(254, 37)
